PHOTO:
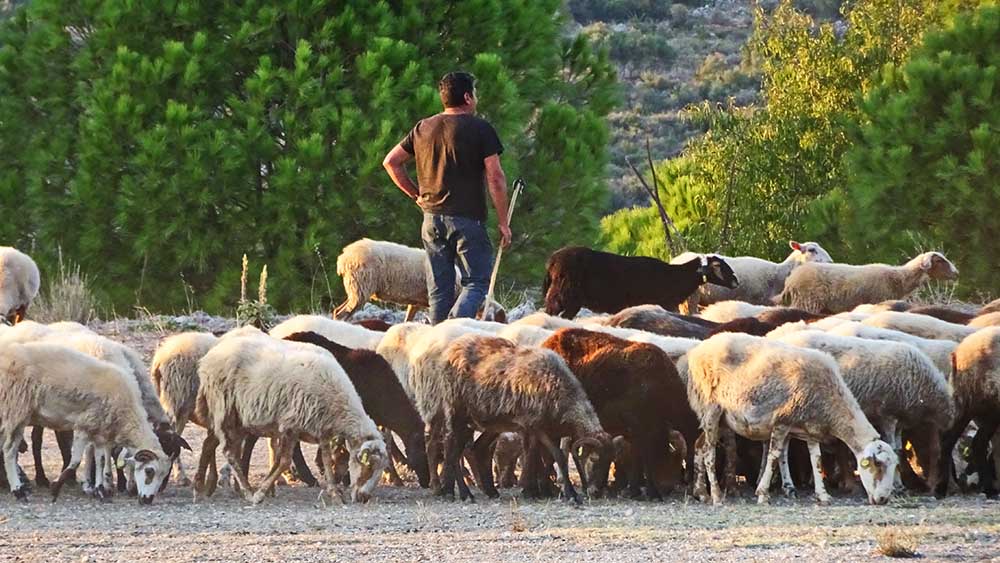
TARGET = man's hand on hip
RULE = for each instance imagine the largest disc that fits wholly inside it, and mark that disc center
(505, 236)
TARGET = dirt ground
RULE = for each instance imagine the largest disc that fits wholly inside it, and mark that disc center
(410, 524)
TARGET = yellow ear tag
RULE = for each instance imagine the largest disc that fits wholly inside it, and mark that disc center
(865, 462)
(579, 451)
(364, 458)
(121, 462)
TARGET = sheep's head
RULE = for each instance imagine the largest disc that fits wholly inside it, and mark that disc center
(149, 469)
(366, 465)
(716, 271)
(937, 266)
(594, 453)
(877, 467)
(809, 252)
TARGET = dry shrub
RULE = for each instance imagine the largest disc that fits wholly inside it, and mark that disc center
(896, 542)
(65, 296)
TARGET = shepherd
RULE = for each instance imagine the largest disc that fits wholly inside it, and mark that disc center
(457, 158)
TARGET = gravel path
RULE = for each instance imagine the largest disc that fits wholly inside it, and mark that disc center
(409, 524)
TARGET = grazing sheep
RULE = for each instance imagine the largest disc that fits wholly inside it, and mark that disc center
(983, 321)
(725, 311)
(637, 394)
(920, 325)
(763, 390)
(56, 387)
(946, 314)
(835, 288)
(490, 383)
(656, 319)
(288, 392)
(896, 385)
(976, 384)
(939, 351)
(19, 283)
(343, 333)
(388, 272)
(760, 280)
(577, 277)
(382, 396)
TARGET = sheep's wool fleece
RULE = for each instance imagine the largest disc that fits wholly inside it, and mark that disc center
(19, 280)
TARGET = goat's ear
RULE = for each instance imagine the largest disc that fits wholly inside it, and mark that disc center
(794, 245)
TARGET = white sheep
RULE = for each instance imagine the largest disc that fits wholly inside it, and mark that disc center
(725, 311)
(544, 320)
(939, 351)
(389, 272)
(896, 385)
(890, 305)
(525, 335)
(760, 280)
(57, 387)
(834, 288)
(920, 325)
(768, 390)
(345, 334)
(288, 392)
(19, 283)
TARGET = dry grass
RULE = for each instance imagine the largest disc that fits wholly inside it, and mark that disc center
(66, 297)
(516, 519)
(896, 542)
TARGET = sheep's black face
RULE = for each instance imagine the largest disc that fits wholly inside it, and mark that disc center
(718, 272)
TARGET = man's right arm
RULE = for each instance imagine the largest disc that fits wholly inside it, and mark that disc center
(497, 182)
(394, 164)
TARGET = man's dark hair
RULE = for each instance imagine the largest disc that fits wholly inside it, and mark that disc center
(453, 88)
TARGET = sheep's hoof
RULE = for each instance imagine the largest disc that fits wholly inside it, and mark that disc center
(446, 495)
(21, 494)
(991, 495)
(823, 501)
(258, 497)
(763, 499)
(183, 481)
(494, 494)
(101, 494)
(716, 500)
(467, 496)
(42, 482)
(790, 492)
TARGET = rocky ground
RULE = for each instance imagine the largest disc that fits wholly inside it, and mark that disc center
(411, 524)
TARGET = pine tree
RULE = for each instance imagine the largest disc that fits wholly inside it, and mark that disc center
(190, 132)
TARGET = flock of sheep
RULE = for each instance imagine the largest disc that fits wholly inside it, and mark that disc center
(810, 369)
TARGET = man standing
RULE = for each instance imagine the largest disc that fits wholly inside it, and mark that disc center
(455, 152)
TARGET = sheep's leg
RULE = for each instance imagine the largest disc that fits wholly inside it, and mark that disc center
(182, 479)
(562, 466)
(247, 454)
(299, 464)
(37, 434)
(482, 463)
(729, 445)
(891, 436)
(64, 438)
(232, 447)
(411, 313)
(463, 435)
(390, 467)
(530, 467)
(10, 449)
(981, 459)
(778, 437)
(324, 458)
(103, 474)
(20, 314)
(946, 465)
(931, 455)
(710, 428)
(452, 453)
(89, 470)
(787, 484)
(816, 458)
(355, 298)
(283, 460)
(80, 443)
(434, 441)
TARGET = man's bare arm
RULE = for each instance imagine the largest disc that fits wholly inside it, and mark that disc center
(497, 182)
(394, 164)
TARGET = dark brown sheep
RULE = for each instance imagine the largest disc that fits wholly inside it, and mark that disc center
(382, 396)
(638, 394)
(746, 325)
(656, 319)
(946, 314)
(779, 316)
(579, 277)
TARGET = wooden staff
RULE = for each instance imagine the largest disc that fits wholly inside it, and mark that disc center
(488, 305)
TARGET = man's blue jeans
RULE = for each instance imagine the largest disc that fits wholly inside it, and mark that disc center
(456, 241)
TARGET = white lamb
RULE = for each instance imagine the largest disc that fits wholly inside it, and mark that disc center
(345, 334)
(768, 390)
(56, 387)
(288, 392)
(920, 325)
(19, 283)
(388, 272)
(834, 288)
(760, 280)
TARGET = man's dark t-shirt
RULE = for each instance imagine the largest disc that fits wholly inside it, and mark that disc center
(449, 150)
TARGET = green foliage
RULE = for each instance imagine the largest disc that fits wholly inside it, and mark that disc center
(767, 165)
(925, 154)
(640, 46)
(155, 141)
(586, 11)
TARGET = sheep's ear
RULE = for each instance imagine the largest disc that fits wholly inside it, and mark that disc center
(928, 261)
(182, 443)
(145, 456)
(794, 245)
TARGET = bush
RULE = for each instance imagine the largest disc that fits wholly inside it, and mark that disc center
(66, 296)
